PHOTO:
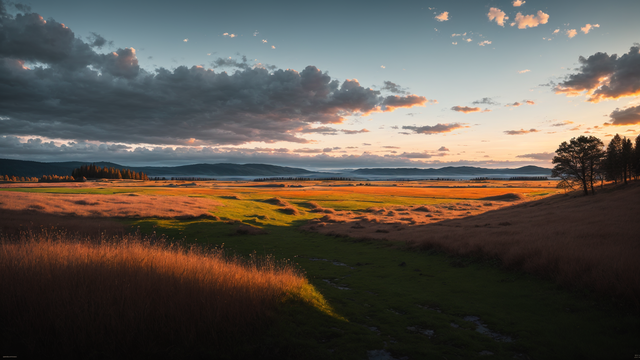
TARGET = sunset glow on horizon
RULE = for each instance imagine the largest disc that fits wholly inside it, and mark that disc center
(493, 84)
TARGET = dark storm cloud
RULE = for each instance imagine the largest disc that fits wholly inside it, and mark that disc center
(95, 40)
(22, 7)
(54, 84)
(602, 76)
(628, 116)
(435, 129)
(229, 62)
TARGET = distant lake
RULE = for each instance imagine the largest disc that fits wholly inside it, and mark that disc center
(362, 177)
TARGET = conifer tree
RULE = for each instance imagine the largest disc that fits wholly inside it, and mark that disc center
(613, 159)
(626, 157)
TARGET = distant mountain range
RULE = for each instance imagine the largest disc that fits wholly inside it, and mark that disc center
(37, 169)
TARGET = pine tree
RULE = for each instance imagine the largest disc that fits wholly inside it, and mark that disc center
(626, 157)
(613, 159)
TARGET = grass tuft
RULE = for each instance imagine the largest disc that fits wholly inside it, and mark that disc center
(68, 296)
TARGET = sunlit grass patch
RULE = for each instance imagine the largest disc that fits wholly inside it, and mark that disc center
(126, 296)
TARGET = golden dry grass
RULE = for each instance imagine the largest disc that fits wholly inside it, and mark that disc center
(124, 205)
(125, 296)
(580, 241)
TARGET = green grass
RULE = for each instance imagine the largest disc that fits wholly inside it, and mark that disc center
(547, 322)
(385, 299)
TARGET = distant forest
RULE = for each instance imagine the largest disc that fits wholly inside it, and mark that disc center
(96, 172)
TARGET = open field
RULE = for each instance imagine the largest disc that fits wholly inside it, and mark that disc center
(402, 293)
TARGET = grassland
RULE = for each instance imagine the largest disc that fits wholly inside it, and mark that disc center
(391, 299)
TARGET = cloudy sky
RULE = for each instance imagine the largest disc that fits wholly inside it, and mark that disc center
(326, 85)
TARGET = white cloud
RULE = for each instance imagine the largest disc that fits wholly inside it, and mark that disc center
(264, 41)
(382, 66)
(273, 47)
(556, 31)
(571, 33)
(255, 33)
(588, 28)
(483, 43)
(185, 40)
(455, 43)
(498, 15)
(518, 3)
(524, 71)
(229, 35)
(443, 17)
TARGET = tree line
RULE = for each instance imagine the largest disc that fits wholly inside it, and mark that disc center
(11, 178)
(92, 171)
(584, 161)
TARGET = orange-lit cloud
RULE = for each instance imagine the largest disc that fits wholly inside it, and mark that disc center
(571, 33)
(516, 104)
(563, 123)
(498, 15)
(483, 43)
(524, 71)
(626, 116)
(531, 21)
(585, 29)
(518, 3)
(393, 102)
(229, 35)
(603, 77)
(520, 132)
(443, 17)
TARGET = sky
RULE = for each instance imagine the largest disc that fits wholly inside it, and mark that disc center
(328, 85)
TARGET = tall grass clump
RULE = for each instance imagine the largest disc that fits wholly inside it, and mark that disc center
(133, 297)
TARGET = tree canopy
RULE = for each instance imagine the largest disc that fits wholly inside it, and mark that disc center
(578, 162)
